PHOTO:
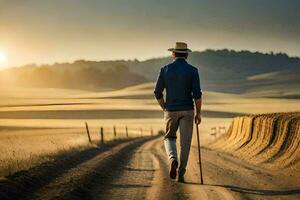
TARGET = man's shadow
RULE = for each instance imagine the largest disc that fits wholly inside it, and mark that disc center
(252, 191)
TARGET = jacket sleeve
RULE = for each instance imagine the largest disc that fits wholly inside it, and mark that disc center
(160, 85)
(196, 89)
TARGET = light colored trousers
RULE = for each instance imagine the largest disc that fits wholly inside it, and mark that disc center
(183, 120)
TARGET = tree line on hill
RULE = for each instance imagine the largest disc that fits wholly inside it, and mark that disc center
(220, 70)
(85, 77)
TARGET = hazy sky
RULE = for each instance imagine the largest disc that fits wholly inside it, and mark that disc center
(46, 31)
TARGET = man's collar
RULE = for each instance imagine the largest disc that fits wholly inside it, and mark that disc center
(180, 59)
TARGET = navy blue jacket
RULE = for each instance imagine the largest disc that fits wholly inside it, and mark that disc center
(182, 83)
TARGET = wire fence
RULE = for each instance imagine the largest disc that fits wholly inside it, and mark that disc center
(107, 133)
(215, 131)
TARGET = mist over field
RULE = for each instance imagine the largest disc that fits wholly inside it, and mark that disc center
(220, 70)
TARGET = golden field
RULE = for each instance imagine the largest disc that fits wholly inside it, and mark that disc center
(37, 123)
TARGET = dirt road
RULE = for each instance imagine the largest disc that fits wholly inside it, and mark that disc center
(140, 171)
(145, 176)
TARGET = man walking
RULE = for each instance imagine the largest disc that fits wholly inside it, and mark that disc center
(182, 84)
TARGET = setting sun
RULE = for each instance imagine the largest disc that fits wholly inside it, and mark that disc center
(2, 58)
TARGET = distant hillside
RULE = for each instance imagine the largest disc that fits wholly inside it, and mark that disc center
(277, 84)
(221, 70)
(228, 71)
(85, 75)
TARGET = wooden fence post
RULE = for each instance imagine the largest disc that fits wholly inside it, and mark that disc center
(101, 134)
(151, 131)
(88, 131)
(115, 132)
(141, 132)
(126, 130)
(214, 131)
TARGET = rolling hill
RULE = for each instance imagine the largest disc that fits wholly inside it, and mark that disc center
(231, 71)
(221, 71)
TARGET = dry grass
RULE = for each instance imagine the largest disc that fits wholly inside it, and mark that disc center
(21, 153)
(26, 147)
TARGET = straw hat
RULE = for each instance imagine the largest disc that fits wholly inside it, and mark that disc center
(180, 47)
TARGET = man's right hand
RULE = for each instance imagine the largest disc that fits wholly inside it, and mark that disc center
(198, 118)
(198, 103)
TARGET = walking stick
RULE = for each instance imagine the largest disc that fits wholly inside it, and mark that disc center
(199, 153)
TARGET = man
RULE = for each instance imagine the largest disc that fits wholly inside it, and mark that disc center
(182, 84)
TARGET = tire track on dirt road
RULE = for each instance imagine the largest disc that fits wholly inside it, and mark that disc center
(145, 176)
(77, 183)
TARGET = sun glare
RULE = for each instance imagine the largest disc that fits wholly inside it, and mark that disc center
(2, 58)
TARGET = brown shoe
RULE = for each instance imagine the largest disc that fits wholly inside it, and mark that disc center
(173, 169)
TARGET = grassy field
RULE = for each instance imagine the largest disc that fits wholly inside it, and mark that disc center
(36, 124)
